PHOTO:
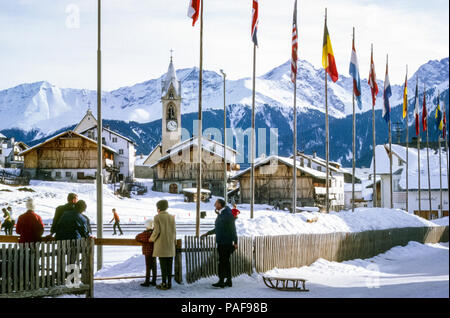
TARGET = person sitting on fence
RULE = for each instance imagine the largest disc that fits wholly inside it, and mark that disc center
(226, 240)
(8, 222)
(72, 225)
(235, 211)
(147, 251)
(164, 236)
(116, 220)
(72, 199)
(29, 225)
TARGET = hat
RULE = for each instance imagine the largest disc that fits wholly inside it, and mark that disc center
(162, 205)
(30, 204)
(148, 224)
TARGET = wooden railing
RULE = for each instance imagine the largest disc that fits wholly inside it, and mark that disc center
(46, 268)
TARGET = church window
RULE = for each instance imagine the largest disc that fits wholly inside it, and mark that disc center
(171, 112)
(171, 95)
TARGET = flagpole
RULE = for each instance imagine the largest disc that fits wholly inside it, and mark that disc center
(428, 153)
(326, 136)
(225, 196)
(390, 152)
(294, 196)
(252, 171)
(199, 145)
(407, 148)
(99, 180)
(294, 179)
(440, 178)
(418, 146)
(374, 196)
(354, 140)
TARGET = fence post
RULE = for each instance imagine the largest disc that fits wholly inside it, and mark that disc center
(178, 263)
(90, 292)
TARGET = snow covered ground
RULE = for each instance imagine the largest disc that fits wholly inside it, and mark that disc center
(416, 270)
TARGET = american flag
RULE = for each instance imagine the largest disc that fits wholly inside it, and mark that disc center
(194, 10)
(294, 46)
(373, 80)
(255, 22)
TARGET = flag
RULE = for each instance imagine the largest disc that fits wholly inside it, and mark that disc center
(294, 46)
(354, 72)
(328, 62)
(386, 95)
(255, 22)
(405, 97)
(424, 113)
(373, 80)
(444, 125)
(438, 116)
(416, 108)
(194, 10)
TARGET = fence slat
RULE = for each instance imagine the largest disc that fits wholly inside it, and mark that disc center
(4, 262)
(16, 265)
(10, 268)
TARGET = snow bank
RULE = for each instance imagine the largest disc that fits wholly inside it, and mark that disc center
(441, 221)
(362, 219)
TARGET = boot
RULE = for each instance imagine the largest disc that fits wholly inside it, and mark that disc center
(145, 284)
(228, 283)
(219, 284)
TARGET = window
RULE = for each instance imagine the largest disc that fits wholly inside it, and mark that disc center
(114, 139)
(121, 164)
(58, 175)
(68, 174)
(171, 112)
(120, 151)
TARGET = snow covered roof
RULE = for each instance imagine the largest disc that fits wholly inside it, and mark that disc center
(6, 151)
(171, 79)
(285, 160)
(320, 161)
(110, 131)
(206, 145)
(2, 136)
(62, 134)
(382, 166)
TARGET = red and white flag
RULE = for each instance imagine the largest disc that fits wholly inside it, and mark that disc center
(294, 46)
(424, 112)
(255, 22)
(194, 10)
(373, 80)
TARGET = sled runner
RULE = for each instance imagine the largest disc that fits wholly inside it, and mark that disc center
(285, 284)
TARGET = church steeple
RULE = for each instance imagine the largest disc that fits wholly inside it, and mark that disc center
(171, 80)
(171, 108)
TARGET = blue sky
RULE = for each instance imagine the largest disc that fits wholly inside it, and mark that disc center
(41, 39)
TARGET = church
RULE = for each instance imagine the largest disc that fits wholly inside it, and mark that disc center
(174, 162)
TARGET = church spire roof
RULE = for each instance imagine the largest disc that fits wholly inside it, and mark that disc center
(171, 78)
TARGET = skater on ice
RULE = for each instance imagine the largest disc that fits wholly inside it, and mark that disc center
(116, 220)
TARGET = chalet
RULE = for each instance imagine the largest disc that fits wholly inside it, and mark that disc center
(178, 169)
(68, 156)
(399, 180)
(124, 147)
(273, 183)
(9, 152)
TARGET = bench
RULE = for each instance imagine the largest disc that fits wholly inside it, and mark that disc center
(46, 268)
(279, 283)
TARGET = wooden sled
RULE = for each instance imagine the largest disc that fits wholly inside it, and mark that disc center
(285, 284)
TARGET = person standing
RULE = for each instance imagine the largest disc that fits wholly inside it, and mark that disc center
(72, 199)
(29, 225)
(8, 222)
(147, 251)
(116, 220)
(226, 240)
(164, 237)
(72, 225)
(235, 211)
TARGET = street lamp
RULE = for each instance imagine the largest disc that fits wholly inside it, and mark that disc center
(224, 140)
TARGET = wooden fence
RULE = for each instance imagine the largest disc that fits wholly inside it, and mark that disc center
(263, 253)
(47, 268)
(202, 258)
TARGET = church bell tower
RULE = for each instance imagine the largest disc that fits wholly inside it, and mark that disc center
(171, 109)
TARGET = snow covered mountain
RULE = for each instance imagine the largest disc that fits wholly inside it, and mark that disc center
(45, 107)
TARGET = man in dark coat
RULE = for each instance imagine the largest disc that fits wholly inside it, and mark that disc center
(226, 240)
(72, 199)
(72, 225)
(29, 225)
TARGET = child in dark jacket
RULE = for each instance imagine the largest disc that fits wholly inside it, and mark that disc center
(147, 251)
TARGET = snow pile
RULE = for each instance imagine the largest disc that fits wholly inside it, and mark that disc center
(441, 221)
(362, 219)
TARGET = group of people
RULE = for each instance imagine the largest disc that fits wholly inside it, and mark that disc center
(158, 240)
